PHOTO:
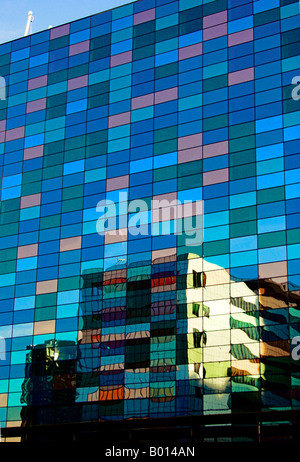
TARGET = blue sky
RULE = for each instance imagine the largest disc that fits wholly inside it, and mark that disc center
(14, 14)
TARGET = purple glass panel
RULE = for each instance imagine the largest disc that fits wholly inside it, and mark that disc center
(190, 51)
(79, 48)
(38, 82)
(214, 32)
(216, 176)
(215, 149)
(240, 37)
(214, 19)
(15, 133)
(119, 119)
(190, 141)
(32, 153)
(59, 31)
(245, 75)
(36, 105)
(121, 58)
(78, 82)
(166, 95)
(144, 16)
(142, 101)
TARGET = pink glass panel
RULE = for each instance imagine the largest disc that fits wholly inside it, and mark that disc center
(59, 31)
(80, 47)
(245, 75)
(144, 16)
(121, 58)
(190, 141)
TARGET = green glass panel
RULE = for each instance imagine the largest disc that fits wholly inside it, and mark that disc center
(56, 100)
(243, 214)
(9, 230)
(165, 134)
(216, 248)
(9, 217)
(270, 195)
(243, 157)
(143, 52)
(242, 171)
(100, 53)
(165, 146)
(190, 168)
(189, 182)
(71, 283)
(31, 188)
(54, 112)
(245, 228)
(266, 17)
(59, 42)
(98, 88)
(144, 40)
(99, 42)
(52, 148)
(214, 83)
(74, 143)
(45, 300)
(144, 28)
(74, 154)
(246, 129)
(241, 144)
(167, 33)
(165, 173)
(78, 71)
(8, 254)
(293, 236)
(10, 204)
(44, 314)
(72, 192)
(97, 137)
(8, 267)
(72, 204)
(53, 172)
(213, 123)
(54, 159)
(51, 221)
(272, 239)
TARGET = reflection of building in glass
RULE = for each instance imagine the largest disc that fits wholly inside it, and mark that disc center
(49, 388)
(173, 337)
(168, 102)
(168, 338)
(2, 88)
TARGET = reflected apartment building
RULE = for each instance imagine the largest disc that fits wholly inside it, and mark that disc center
(171, 337)
(188, 340)
(180, 102)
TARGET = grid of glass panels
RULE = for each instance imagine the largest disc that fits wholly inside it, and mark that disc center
(187, 100)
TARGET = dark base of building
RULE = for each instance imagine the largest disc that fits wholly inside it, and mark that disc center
(256, 427)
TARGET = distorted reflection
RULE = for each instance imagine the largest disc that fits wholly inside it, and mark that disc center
(174, 336)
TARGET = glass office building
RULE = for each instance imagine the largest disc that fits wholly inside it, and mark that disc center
(150, 214)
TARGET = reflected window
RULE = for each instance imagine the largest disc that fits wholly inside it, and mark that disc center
(96, 289)
(199, 279)
(206, 311)
(199, 338)
(240, 302)
(196, 309)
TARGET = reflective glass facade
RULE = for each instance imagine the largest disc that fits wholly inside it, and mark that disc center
(150, 206)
